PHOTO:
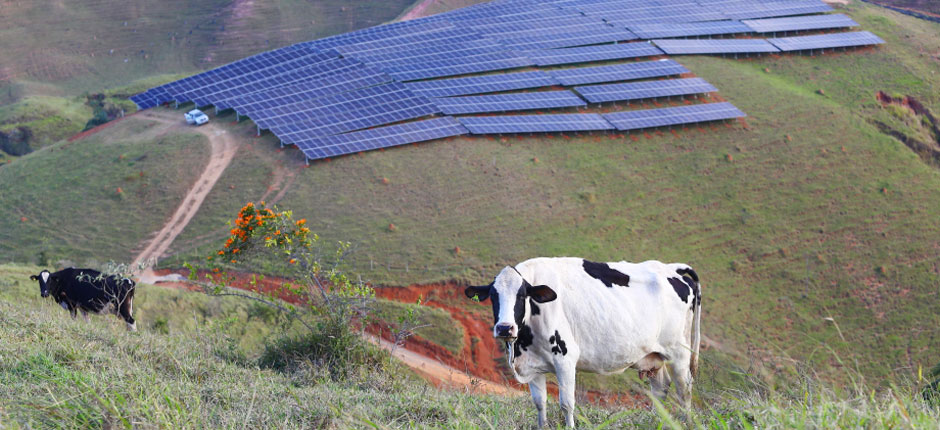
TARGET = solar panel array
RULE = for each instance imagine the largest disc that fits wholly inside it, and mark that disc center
(395, 83)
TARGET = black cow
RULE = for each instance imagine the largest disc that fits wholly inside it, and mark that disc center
(87, 290)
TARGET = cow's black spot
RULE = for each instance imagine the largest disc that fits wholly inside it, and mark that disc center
(524, 341)
(559, 345)
(691, 278)
(603, 273)
(682, 289)
(535, 307)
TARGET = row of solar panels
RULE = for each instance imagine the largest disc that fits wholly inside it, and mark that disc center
(784, 44)
(436, 128)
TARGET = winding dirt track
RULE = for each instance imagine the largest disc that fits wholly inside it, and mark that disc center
(223, 148)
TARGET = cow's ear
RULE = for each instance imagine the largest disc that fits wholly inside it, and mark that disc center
(480, 293)
(34, 277)
(541, 293)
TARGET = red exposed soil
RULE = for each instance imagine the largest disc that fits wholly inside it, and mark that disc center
(94, 130)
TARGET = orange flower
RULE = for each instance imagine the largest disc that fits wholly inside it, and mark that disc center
(235, 251)
(233, 261)
(292, 261)
(221, 252)
(277, 232)
(301, 222)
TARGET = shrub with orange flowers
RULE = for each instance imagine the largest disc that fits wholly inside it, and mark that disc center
(271, 238)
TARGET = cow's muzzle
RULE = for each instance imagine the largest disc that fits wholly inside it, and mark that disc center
(505, 331)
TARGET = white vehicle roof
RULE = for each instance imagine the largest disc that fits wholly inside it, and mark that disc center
(195, 112)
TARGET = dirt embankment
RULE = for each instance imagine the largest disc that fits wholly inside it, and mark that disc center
(928, 150)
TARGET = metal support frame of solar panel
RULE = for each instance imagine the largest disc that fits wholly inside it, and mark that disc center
(508, 102)
(826, 41)
(652, 118)
(340, 65)
(689, 29)
(565, 40)
(483, 84)
(552, 123)
(459, 66)
(619, 72)
(800, 23)
(333, 84)
(381, 137)
(551, 57)
(364, 98)
(342, 122)
(644, 90)
(714, 46)
(260, 74)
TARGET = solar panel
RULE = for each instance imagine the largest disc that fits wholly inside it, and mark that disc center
(548, 57)
(640, 119)
(714, 46)
(459, 66)
(431, 51)
(350, 101)
(341, 122)
(750, 9)
(661, 30)
(333, 84)
(534, 28)
(814, 22)
(382, 137)
(338, 66)
(629, 16)
(644, 90)
(825, 41)
(409, 42)
(563, 40)
(534, 123)
(482, 84)
(619, 72)
(508, 102)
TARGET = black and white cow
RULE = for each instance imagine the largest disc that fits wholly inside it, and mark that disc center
(559, 315)
(86, 290)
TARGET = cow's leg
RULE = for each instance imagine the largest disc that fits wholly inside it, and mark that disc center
(659, 383)
(537, 388)
(73, 310)
(682, 375)
(85, 316)
(565, 371)
(125, 311)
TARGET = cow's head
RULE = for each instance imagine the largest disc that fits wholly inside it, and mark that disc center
(43, 279)
(509, 294)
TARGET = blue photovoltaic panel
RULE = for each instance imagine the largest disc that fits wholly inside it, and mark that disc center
(238, 68)
(482, 84)
(182, 93)
(564, 40)
(261, 74)
(408, 42)
(350, 101)
(663, 30)
(508, 102)
(435, 51)
(333, 84)
(751, 9)
(619, 72)
(644, 90)
(341, 122)
(534, 123)
(685, 14)
(714, 46)
(826, 41)
(640, 119)
(333, 67)
(382, 137)
(459, 66)
(535, 28)
(548, 57)
(800, 23)
(386, 31)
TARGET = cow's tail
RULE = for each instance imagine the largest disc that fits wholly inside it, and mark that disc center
(696, 317)
(696, 335)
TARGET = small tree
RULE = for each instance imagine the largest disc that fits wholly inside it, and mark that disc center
(328, 303)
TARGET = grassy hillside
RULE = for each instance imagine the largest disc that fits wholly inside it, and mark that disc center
(53, 49)
(98, 198)
(815, 232)
(193, 364)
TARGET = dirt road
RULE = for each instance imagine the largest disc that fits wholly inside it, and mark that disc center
(222, 149)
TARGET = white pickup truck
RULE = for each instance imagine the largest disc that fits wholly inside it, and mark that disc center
(196, 117)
